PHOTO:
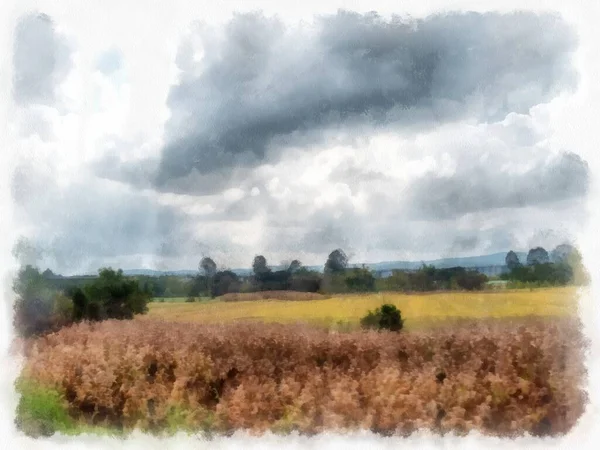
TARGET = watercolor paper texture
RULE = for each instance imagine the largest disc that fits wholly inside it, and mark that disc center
(325, 225)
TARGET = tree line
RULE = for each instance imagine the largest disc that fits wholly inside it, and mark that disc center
(560, 267)
(47, 302)
(337, 277)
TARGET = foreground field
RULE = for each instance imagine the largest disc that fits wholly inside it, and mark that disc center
(500, 377)
(420, 310)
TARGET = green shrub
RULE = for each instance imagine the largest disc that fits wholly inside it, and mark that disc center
(115, 296)
(41, 411)
(387, 317)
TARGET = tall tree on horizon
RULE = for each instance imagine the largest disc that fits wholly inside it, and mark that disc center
(208, 266)
(294, 266)
(537, 255)
(336, 262)
(512, 260)
(259, 265)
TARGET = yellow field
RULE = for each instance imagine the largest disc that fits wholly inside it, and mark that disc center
(417, 310)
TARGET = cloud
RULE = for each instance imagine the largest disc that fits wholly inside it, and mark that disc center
(482, 186)
(110, 61)
(390, 139)
(261, 87)
(136, 172)
(37, 120)
(41, 60)
(464, 243)
(90, 221)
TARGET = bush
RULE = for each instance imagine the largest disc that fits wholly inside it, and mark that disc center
(190, 299)
(113, 296)
(388, 317)
(41, 411)
(38, 309)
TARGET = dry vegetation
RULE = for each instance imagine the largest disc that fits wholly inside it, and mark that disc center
(496, 376)
(271, 295)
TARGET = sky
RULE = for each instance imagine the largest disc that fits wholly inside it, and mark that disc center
(152, 141)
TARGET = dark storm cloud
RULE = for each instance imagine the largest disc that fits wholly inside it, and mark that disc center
(136, 173)
(262, 87)
(481, 187)
(41, 60)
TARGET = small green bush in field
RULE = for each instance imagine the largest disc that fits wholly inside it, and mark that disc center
(387, 317)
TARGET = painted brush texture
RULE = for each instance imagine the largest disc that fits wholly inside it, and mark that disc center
(499, 377)
(420, 309)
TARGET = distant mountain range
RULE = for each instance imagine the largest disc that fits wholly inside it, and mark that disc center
(494, 259)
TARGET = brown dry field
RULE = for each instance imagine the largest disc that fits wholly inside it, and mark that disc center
(498, 376)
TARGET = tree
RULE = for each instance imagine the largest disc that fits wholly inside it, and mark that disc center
(80, 305)
(423, 279)
(575, 261)
(259, 265)
(561, 253)
(397, 281)
(305, 280)
(38, 308)
(471, 280)
(200, 286)
(274, 281)
(114, 296)
(512, 260)
(29, 281)
(208, 266)
(224, 282)
(205, 283)
(336, 262)
(294, 266)
(360, 280)
(537, 256)
(26, 252)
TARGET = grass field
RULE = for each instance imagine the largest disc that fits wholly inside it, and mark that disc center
(419, 310)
